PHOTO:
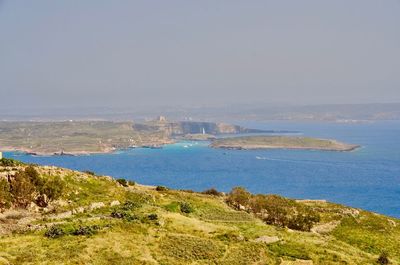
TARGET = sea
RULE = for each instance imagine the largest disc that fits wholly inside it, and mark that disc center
(367, 178)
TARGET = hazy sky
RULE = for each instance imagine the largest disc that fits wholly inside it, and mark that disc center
(136, 53)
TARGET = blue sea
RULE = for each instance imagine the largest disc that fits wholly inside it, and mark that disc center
(367, 178)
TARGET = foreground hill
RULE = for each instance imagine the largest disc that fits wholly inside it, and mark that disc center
(52, 215)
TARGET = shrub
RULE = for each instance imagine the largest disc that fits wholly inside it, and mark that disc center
(52, 189)
(152, 216)
(161, 188)
(283, 212)
(121, 214)
(213, 192)
(238, 197)
(85, 230)
(123, 182)
(125, 211)
(54, 232)
(383, 259)
(188, 191)
(131, 183)
(5, 195)
(274, 209)
(8, 162)
(34, 177)
(186, 207)
(89, 172)
(131, 205)
(303, 220)
(22, 190)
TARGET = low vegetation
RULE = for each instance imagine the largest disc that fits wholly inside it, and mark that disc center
(58, 216)
(274, 209)
(27, 186)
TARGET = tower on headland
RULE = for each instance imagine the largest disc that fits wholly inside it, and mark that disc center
(161, 119)
(1, 155)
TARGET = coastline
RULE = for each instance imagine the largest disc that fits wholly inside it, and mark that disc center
(108, 150)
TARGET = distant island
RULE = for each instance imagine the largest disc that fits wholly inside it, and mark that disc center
(89, 137)
(281, 142)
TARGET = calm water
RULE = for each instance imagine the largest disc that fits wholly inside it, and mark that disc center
(368, 178)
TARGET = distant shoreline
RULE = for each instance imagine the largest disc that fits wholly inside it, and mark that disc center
(79, 153)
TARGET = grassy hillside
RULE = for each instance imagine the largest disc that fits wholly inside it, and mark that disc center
(99, 220)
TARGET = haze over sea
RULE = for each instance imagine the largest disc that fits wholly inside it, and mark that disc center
(367, 178)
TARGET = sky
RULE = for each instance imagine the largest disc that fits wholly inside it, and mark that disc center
(149, 53)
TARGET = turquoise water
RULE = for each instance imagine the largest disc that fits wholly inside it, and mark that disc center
(367, 178)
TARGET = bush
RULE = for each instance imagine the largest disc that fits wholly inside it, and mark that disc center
(34, 177)
(131, 205)
(28, 186)
(186, 207)
(54, 231)
(121, 214)
(161, 188)
(123, 182)
(5, 195)
(85, 230)
(188, 191)
(131, 183)
(152, 216)
(8, 162)
(51, 190)
(383, 259)
(274, 209)
(125, 211)
(89, 172)
(303, 220)
(238, 197)
(22, 190)
(213, 192)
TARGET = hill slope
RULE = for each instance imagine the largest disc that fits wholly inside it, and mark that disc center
(99, 220)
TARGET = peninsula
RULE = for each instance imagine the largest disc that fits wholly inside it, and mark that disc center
(281, 142)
